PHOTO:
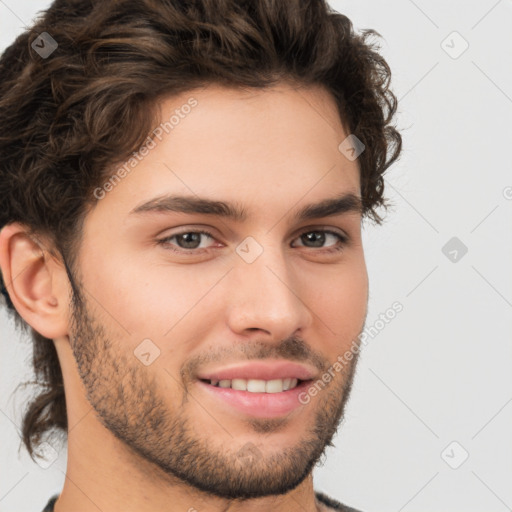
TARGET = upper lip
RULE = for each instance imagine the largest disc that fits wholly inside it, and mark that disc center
(260, 370)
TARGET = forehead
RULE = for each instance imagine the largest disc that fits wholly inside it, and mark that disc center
(249, 146)
(232, 115)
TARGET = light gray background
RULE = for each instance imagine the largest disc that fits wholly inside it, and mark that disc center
(440, 371)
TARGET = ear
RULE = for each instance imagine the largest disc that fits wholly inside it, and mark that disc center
(37, 283)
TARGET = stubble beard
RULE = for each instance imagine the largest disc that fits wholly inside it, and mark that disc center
(129, 402)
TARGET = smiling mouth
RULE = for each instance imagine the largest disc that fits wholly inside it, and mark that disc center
(256, 385)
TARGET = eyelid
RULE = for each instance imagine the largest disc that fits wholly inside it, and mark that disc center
(210, 231)
(322, 227)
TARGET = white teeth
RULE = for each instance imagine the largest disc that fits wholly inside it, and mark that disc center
(257, 385)
(274, 386)
(239, 384)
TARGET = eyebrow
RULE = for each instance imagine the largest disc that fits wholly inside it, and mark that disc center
(330, 207)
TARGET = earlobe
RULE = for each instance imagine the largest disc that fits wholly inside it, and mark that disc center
(34, 281)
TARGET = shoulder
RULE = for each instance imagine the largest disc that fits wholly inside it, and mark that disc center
(50, 504)
(332, 503)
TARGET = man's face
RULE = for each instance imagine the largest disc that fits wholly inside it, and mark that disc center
(159, 320)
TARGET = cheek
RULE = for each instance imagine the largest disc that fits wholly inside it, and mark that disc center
(159, 301)
(339, 302)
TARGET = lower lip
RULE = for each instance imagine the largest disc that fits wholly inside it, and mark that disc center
(260, 405)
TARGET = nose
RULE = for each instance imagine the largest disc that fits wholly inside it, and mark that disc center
(267, 295)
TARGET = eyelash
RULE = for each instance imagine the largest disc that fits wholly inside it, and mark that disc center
(343, 240)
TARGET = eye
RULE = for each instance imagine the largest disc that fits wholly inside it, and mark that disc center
(186, 239)
(318, 238)
(190, 241)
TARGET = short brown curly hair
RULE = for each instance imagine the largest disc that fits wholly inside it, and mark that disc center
(66, 118)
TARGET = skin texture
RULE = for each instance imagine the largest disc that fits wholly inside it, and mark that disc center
(146, 438)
